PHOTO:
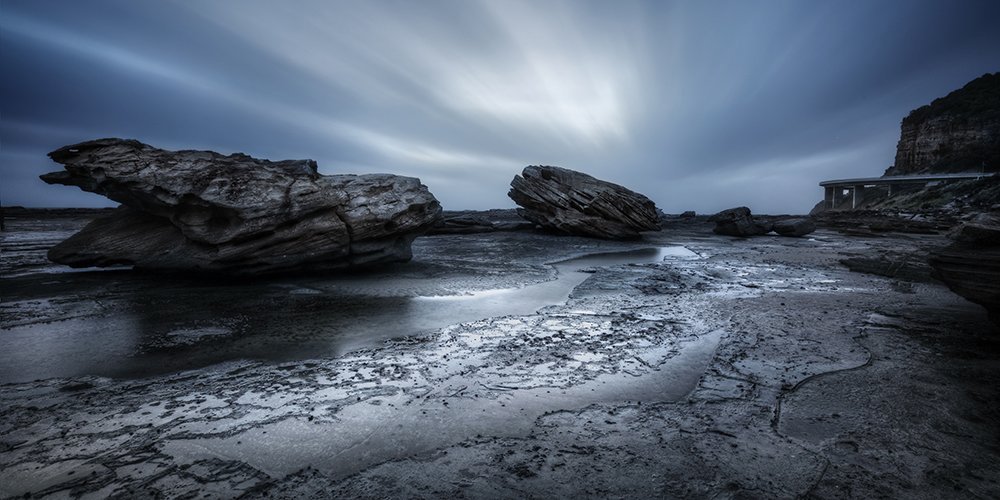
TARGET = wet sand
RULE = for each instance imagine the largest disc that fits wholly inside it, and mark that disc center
(729, 368)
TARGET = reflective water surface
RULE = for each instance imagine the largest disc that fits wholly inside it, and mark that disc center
(157, 327)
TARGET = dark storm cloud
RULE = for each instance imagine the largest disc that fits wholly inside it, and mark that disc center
(700, 105)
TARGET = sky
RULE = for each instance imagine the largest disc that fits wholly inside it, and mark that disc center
(699, 105)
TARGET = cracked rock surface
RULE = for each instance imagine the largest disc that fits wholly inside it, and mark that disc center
(200, 210)
(725, 368)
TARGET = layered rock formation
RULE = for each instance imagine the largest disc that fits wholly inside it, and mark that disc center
(971, 265)
(200, 210)
(571, 202)
(956, 133)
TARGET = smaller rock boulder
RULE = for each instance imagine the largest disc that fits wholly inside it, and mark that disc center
(794, 227)
(575, 203)
(738, 222)
(688, 214)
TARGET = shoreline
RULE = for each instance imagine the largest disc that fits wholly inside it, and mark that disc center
(811, 359)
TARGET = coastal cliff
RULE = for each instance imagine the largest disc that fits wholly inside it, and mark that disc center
(956, 133)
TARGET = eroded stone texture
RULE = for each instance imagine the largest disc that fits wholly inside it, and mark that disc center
(738, 222)
(200, 210)
(576, 203)
(971, 265)
(956, 133)
(763, 370)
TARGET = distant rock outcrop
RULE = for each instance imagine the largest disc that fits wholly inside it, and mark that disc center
(794, 227)
(956, 133)
(576, 203)
(486, 221)
(738, 222)
(200, 210)
(971, 265)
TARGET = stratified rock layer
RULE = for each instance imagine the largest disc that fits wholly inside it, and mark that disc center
(200, 210)
(956, 133)
(971, 265)
(738, 222)
(576, 203)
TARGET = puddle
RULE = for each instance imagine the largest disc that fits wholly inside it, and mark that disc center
(178, 327)
(395, 426)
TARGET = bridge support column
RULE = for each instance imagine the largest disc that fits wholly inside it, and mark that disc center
(858, 195)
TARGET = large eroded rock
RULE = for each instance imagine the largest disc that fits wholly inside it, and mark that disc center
(200, 210)
(971, 265)
(576, 203)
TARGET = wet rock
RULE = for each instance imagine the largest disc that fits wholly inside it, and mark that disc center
(688, 214)
(575, 203)
(879, 222)
(738, 222)
(200, 210)
(971, 265)
(900, 266)
(485, 221)
(794, 227)
(463, 225)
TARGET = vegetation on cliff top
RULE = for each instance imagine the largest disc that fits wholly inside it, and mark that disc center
(978, 99)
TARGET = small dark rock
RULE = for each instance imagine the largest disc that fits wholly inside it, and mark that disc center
(738, 222)
(794, 227)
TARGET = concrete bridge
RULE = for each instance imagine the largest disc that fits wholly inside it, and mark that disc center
(839, 190)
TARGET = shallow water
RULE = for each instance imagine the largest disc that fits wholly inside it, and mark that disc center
(164, 327)
(395, 426)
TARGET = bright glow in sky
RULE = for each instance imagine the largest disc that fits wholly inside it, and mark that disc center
(699, 105)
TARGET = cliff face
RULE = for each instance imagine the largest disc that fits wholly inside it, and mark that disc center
(956, 133)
